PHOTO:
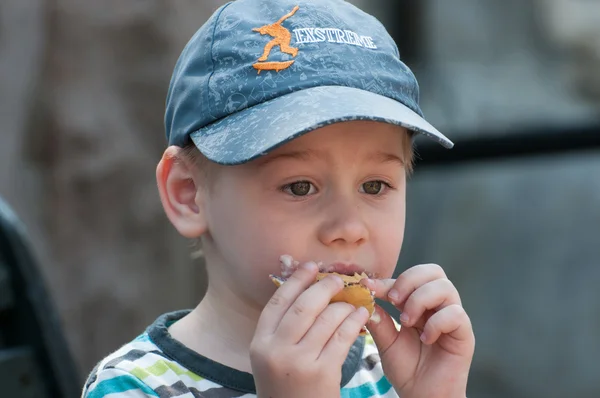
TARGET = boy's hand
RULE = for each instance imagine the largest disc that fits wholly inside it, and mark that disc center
(301, 341)
(431, 354)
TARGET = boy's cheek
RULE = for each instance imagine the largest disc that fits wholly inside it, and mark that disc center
(388, 246)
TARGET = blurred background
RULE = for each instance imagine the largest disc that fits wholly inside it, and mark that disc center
(512, 212)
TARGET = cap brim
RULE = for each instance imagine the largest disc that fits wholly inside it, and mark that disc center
(254, 131)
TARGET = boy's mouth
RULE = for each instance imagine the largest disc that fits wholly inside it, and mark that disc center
(344, 269)
(289, 265)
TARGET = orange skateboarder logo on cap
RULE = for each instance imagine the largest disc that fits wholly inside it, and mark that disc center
(282, 38)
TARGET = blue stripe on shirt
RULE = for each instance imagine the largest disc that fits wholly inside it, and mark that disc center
(367, 389)
(120, 384)
(143, 338)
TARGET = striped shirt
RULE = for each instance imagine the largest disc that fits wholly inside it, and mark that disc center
(156, 365)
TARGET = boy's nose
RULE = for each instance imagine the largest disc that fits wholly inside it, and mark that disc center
(343, 224)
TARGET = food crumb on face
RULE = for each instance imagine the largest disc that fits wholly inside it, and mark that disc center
(286, 260)
(288, 265)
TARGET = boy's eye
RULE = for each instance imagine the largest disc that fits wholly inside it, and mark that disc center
(372, 187)
(300, 188)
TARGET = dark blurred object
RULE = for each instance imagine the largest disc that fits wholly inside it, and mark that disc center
(528, 143)
(34, 358)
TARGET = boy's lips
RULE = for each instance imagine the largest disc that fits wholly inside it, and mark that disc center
(344, 268)
(289, 265)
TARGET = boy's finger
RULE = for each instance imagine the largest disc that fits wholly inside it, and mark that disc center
(326, 324)
(453, 321)
(434, 295)
(407, 282)
(344, 336)
(380, 287)
(285, 296)
(303, 312)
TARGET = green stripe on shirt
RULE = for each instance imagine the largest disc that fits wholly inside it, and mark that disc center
(160, 367)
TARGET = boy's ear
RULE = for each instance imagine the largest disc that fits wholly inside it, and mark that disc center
(180, 193)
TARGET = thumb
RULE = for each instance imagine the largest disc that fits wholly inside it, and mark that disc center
(383, 329)
(386, 332)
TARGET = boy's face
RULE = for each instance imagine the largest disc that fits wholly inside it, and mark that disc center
(335, 195)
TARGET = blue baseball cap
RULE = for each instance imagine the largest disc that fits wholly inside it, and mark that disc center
(260, 73)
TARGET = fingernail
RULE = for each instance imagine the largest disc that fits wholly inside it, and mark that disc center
(339, 280)
(362, 311)
(369, 283)
(394, 295)
(310, 266)
(423, 337)
(404, 318)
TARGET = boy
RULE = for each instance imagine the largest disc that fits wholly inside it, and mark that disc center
(290, 126)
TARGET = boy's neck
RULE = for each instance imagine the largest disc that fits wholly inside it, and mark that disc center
(220, 328)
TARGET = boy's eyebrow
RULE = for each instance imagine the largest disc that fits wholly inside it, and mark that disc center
(386, 157)
(300, 155)
(379, 156)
